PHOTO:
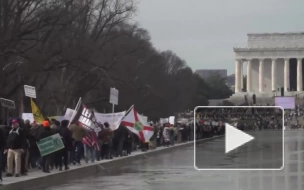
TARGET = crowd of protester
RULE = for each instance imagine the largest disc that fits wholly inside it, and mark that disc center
(294, 119)
(19, 153)
(248, 119)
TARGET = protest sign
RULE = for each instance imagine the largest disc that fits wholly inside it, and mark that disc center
(114, 120)
(30, 91)
(50, 144)
(28, 116)
(163, 120)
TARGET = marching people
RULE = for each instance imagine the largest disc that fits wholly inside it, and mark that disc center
(66, 137)
(35, 135)
(15, 146)
(78, 132)
(2, 146)
(25, 156)
(120, 142)
(90, 144)
(46, 160)
(106, 135)
(166, 135)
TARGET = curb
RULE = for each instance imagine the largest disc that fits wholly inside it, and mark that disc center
(98, 168)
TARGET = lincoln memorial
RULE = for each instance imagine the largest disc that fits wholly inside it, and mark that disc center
(272, 62)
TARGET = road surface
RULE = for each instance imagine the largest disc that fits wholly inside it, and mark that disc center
(175, 171)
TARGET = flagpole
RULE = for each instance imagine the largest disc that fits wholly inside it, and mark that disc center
(75, 111)
(130, 109)
(113, 107)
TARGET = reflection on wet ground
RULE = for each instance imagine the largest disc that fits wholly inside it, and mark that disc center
(264, 152)
(175, 171)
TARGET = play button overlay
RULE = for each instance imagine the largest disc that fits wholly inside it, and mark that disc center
(238, 138)
(235, 138)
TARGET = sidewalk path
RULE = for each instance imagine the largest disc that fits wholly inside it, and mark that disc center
(39, 174)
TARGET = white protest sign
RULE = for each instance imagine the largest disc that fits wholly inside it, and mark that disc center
(30, 91)
(144, 118)
(114, 120)
(7, 103)
(183, 120)
(172, 120)
(163, 120)
(68, 114)
(214, 123)
(59, 118)
(114, 96)
(28, 116)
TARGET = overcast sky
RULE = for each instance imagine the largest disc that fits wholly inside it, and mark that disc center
(204, 32)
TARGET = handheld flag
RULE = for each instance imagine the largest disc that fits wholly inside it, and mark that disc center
(137, 125)
(38, 117)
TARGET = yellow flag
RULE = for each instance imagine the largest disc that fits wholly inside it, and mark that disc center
(38, 117)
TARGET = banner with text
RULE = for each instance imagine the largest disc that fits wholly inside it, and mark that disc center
(114, 120)
(163, 120)
(86, 118)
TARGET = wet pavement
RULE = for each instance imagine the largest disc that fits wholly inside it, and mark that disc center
(175, 171)
(264, 152)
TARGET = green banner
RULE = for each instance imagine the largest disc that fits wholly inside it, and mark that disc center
(50, 144)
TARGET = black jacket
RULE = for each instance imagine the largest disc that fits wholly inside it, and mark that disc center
(46, 133)
(66, 136)
(2, 139)
(16, 139)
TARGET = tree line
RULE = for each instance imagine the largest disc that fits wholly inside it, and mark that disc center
(81, 48)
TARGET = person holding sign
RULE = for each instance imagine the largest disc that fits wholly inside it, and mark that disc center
(66, 137)
(46, 160)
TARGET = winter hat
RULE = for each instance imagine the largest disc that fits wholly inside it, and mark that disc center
(46, 123)
(15, 121)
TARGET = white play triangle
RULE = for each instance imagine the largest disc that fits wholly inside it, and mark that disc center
(235, 138)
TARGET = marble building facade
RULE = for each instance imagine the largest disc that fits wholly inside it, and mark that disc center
(272, 62)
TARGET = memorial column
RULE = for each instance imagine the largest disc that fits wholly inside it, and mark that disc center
(273, 75)
(249, 76)
(286, 75)
(237, 75)
(242, 76)
(261, 75)
(299, 75)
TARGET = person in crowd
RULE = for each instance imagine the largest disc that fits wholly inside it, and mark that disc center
(90, 144)
(99, 141)
(54, 124)
(66, 136)
(106, 138)
(78, 132)
(15, 147)
(25, 156)
(160, 136)
(35, 135)
(128, 143)
(153, 138)
(55, 127)
(118, 140)
(5, 129)
(2, 146)
(172, 134)
(46, 159)
(166, 135)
